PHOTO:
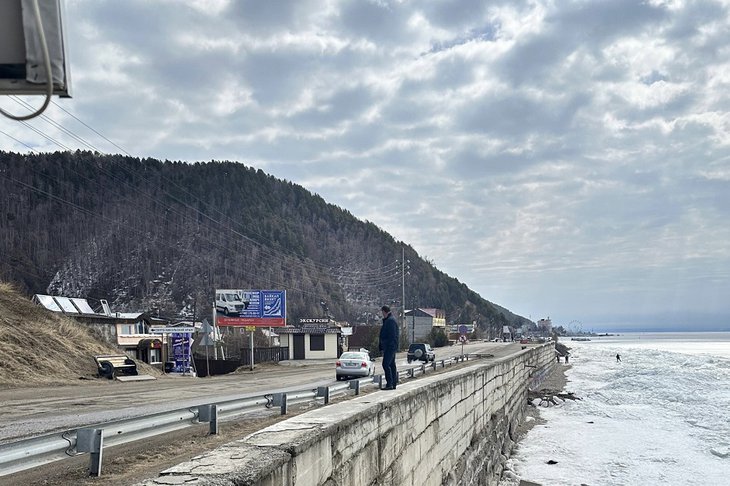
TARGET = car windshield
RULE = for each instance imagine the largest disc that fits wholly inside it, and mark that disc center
(232, 298)
(353, 356)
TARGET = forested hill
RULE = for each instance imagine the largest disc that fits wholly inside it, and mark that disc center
(153, 235)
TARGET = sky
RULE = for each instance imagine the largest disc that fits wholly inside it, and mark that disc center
(564, 159)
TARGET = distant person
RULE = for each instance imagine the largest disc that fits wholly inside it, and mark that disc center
(389, 346)
(618, 358)
(566, 358)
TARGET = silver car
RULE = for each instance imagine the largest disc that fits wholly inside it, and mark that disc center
(354, 364)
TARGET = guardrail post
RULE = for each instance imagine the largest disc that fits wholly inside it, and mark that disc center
(423, 368)
(279, 399)
(411, 372)
(433, 365)
(443, 363)
(209, 413)
(324, 392)
(92, 441)
(378, 379)
(355, 385)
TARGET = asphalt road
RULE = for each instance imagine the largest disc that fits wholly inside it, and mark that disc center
(35, 411)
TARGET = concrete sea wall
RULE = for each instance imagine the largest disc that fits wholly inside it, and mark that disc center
(453, 428)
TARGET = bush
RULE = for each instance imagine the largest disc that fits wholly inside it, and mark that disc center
(437, 338)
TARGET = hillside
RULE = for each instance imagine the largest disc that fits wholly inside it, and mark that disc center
(160, 236)
(40, 347)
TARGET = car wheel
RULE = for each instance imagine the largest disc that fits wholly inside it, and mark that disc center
(409, 360)
(225, 311)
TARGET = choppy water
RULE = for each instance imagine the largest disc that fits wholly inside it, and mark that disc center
(660, 417)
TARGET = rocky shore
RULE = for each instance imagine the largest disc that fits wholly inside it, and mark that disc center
(555, 383)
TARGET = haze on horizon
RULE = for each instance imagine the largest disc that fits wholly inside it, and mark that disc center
(563, 159)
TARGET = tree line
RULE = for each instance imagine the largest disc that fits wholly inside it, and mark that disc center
(160, 236)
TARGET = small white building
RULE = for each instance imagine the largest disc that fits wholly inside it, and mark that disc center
(311, 338)
(545, 326)
(128, 330)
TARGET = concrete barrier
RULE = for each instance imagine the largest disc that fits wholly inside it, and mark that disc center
(446, 429)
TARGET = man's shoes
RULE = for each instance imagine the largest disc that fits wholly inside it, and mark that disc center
(389, 388)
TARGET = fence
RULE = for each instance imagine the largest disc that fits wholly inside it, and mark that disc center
(264, 355)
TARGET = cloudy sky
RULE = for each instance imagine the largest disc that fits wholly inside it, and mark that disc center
(563, 158)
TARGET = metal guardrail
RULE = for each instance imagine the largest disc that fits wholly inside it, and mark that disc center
(34, 452)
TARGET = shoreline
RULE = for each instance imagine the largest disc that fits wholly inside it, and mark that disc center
(557, 380)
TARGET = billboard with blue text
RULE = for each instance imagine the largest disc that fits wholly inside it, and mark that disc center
(262, 308)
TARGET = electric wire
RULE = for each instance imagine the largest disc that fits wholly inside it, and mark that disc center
(58, 126)
(356, 277)
(21, 143)
(182, 188)
(95, 214)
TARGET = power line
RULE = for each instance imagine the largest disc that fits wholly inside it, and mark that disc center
(21, 143)
(92, 213)
(53, 123)
(183, 189)
(89, 127)
(355, 276)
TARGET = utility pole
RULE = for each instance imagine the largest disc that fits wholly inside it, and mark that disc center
(404, 268)
(403, 281)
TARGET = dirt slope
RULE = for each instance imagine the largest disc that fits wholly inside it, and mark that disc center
(39, 347)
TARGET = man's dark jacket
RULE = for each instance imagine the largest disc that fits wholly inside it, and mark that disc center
(389, 334)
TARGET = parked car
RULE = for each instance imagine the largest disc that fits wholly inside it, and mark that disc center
(420, 352)
(354, 364)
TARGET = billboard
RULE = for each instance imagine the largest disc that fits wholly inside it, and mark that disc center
(182, 346)
(262, 308)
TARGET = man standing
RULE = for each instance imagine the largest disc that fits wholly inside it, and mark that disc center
(389, 346)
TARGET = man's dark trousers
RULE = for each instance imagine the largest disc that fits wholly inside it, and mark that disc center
(391, 373)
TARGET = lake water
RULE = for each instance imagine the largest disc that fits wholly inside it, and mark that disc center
(659, 417)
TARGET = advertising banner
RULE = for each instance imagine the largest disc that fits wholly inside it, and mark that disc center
(260, 308)
(182, 345)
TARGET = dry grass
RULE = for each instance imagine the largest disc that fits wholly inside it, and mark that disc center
(39, 347)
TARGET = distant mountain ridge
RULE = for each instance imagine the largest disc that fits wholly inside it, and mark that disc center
(154, 235)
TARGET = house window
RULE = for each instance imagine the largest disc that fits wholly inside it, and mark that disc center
(136, 328)
(316, 342)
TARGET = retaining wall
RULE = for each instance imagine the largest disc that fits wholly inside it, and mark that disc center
(447, 429)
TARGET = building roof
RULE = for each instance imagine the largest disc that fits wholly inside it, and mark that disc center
(75, 307)
(427, 311)
(65, 305)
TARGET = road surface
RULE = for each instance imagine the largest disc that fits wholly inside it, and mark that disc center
(35, 411)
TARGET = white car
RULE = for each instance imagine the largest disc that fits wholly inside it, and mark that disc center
(354, 364)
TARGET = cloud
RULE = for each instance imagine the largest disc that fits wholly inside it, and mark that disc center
(562, 158)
